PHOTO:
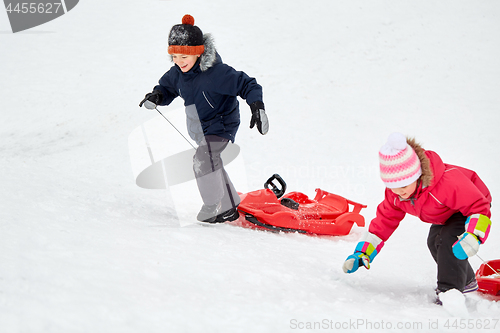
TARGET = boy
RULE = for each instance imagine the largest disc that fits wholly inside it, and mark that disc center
(209, 89)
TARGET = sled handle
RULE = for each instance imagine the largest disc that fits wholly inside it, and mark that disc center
(276, 190)
(356, 206)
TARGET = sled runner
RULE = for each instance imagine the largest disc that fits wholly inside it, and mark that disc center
(326, 214)
(488, 278)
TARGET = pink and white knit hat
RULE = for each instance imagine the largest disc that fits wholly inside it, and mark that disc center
(399, 164)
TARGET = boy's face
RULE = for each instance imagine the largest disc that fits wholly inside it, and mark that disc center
(405, 192)
(184, 61)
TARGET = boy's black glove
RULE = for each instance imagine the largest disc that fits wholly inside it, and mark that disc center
(152, 99)
(259, 117)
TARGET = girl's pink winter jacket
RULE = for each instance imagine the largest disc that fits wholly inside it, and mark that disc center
(451, 189)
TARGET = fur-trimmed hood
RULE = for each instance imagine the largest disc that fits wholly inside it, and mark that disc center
(209, 57)
(427, 174)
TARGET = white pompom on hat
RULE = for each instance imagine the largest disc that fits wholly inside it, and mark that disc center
(399, 164)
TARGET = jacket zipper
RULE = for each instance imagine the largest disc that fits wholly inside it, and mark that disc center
(207, 100)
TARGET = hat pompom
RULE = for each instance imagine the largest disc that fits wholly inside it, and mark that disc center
(188, 19)
(397, 141)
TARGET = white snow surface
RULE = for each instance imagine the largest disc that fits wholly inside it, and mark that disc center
(83, 249)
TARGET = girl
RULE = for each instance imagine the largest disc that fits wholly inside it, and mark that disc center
(209, 89)
(453, 199)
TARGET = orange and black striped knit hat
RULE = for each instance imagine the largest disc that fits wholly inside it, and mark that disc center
(186, 38)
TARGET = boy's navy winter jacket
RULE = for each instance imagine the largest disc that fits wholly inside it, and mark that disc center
(210, 91)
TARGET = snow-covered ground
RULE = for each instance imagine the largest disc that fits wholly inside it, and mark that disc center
(83, 249)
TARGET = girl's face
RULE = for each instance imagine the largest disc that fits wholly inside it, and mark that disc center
(184, 61)
(405, 192)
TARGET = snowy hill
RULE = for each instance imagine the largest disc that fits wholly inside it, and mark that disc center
(83, 249)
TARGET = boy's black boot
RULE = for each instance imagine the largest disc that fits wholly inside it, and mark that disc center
(229, 215)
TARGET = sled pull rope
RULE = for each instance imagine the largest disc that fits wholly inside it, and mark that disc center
(484, 262)
(156, 108)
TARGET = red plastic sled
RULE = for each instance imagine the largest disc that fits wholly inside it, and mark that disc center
(326, 214)
(487, 281)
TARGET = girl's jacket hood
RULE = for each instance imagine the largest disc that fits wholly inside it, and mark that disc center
(443, 190)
